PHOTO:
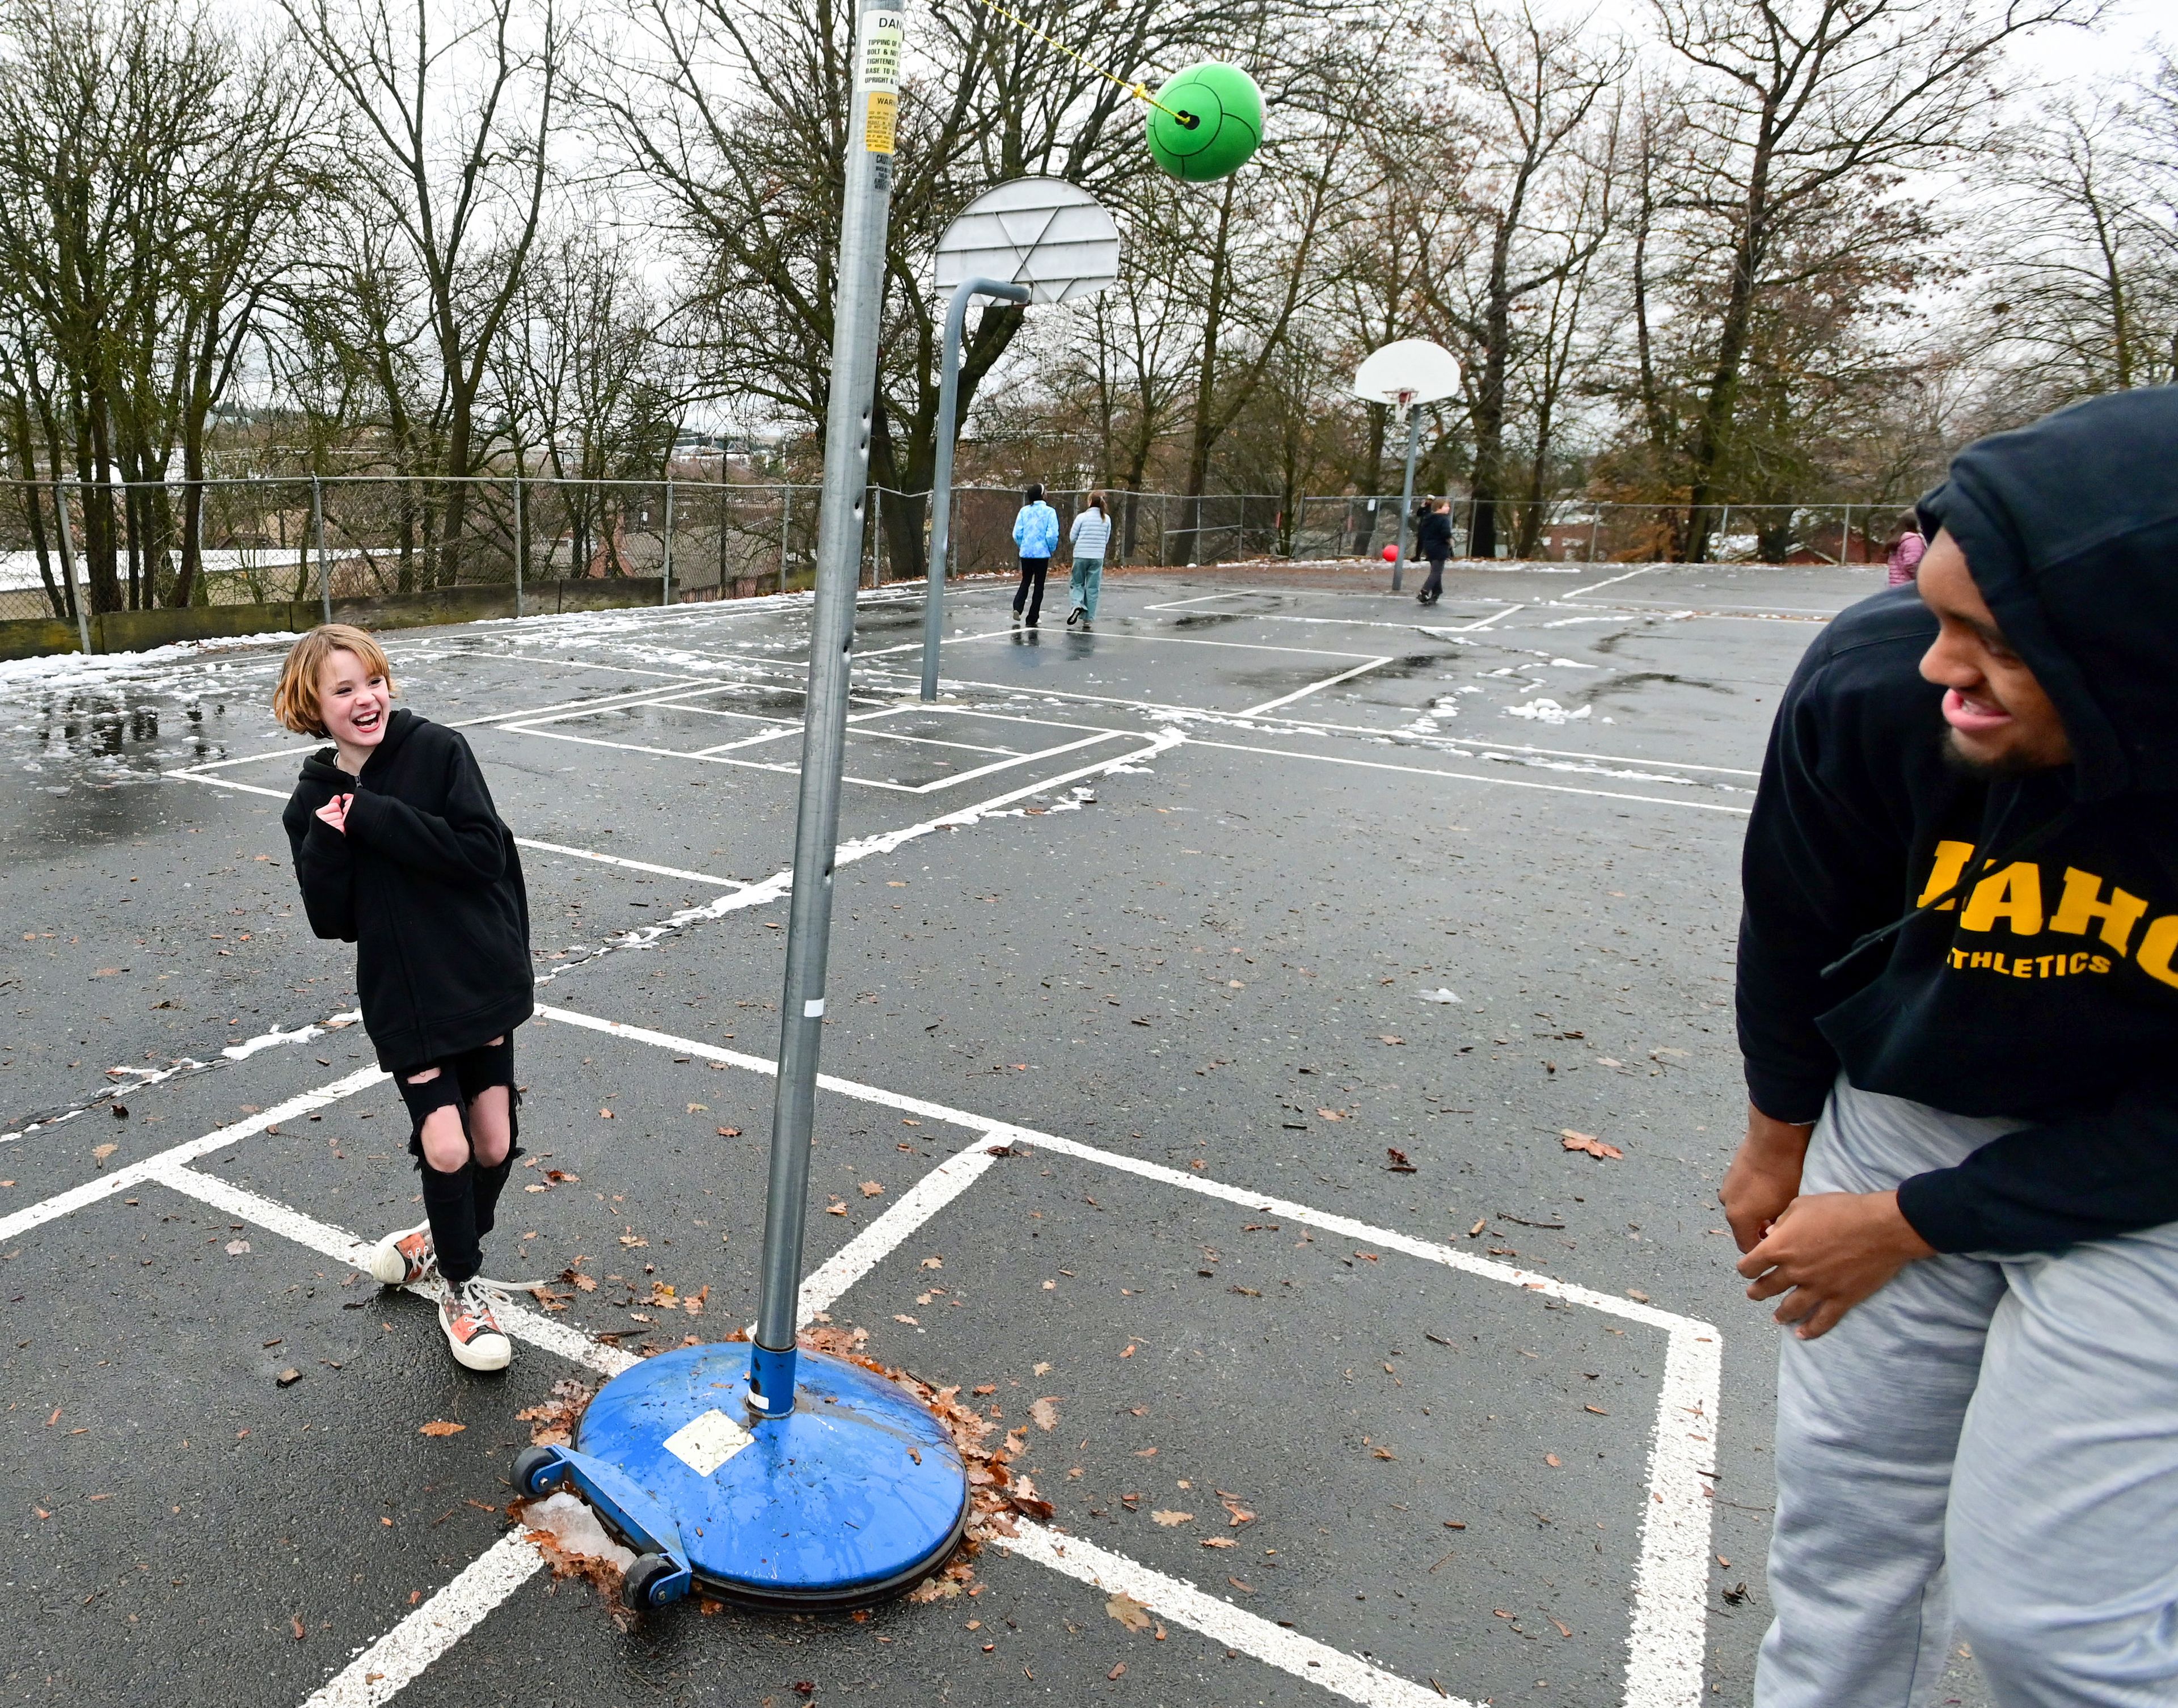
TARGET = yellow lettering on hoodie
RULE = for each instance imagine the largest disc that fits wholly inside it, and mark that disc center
(2083, 903)
(2013, 895)
(2156, 945)
(1944, 871)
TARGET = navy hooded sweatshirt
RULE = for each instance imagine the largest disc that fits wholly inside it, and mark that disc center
(2044, 988)
(426, 883)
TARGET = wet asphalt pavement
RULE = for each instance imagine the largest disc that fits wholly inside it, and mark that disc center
(1213, 956)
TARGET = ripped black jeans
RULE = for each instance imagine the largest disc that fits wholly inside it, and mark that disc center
(462, 1204)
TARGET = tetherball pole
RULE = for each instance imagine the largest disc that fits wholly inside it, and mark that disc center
(879, 31)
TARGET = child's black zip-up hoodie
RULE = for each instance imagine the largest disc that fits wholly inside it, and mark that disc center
(426, 883)
(2046, 987)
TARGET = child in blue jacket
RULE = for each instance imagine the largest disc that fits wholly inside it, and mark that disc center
(1036, 534)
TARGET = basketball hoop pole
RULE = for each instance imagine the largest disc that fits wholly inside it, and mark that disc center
(1407, 493)
(941, 479)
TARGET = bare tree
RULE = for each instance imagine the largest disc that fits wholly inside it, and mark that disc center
(734, 112)
(1797, 105)
(2086, 292)
(1530, 91)
(450, 136)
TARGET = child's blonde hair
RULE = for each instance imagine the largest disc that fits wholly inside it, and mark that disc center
(295, 701)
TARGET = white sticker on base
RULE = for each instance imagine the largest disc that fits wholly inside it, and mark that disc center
(706, 1442)
(814, 1008)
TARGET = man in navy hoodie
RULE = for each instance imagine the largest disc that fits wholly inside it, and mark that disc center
(1958, 1007)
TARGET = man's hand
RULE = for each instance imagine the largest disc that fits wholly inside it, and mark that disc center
(1764, 1175)
(335, 812)
(1828, 1252)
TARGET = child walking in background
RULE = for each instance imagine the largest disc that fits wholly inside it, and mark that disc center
(1903, 555)
(399, 850)
(1091, 534)
(1036, 537)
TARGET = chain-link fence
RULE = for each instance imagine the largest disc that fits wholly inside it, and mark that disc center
(254, 541)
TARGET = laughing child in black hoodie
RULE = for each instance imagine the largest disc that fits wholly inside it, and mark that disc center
(400, 851)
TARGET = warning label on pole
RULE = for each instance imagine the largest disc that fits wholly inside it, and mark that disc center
(884, 31)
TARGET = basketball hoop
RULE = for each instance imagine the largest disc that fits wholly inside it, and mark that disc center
(1410, 371)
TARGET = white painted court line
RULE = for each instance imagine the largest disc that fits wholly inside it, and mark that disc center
(519, 841)
(1482, 622)
(602, 703)
(1312, 725)
(1613, 581)
(1670, 1616)
(397, 1660)
(1181, 1602)
(120, 1179)
(343, 1247)
(1313, 687)
(1476, 777)
(1162, 638)
(632, 865)
(721, 756)
(768, 891)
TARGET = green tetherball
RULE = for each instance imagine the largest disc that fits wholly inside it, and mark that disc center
(1226, 109)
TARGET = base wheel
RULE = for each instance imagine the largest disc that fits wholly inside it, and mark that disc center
(639, 1588)
(537, 1470)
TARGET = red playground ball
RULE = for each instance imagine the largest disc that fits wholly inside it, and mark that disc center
(1391, 553)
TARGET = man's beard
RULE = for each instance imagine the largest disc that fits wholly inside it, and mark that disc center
(2008, 765)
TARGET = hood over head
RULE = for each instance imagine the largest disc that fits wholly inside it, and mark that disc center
(2070, 528)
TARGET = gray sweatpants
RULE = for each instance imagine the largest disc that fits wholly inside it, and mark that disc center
(1992, 1442)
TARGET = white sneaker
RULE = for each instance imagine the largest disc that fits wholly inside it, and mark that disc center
(472, 1328)
(404, 1258)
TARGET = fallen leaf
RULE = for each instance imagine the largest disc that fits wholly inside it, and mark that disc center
(1386, 1038)
(289, 1376)
(1550, 1460)
(1045, 1412)
(897, 1317)
(1219, 1542)
(101, 1153)
(1588, 1143)
(1129, 1353)
(235, 1248)
(633, 1241)
(439, 1426)
(1736, 1594)
(295, 1623)
(730, 1132)
(1475, 1232)
(1245, 1589)
(871, 1189)
(933, 1263)
(1398, 1164)
(1387, 1452)
(1330, 1114)
(699, 1109)
(838, 1207)
(1117, 1667)
(1128, 1611)
(1168, 1517)
(604, 1114)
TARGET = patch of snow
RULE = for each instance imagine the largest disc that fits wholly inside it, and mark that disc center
(1546, 711)
(576, 1529)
